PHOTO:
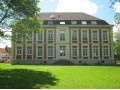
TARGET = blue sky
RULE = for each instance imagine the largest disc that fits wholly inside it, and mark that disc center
(97, 8)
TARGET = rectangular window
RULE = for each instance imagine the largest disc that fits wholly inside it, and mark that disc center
(19, 36)
(19, 50)
(93, 22)
(39, 50)
(105, 49)
(84, 22)
(62, 50)
(105, 35)
(29, 36)
(50, 35)
(62, 22)
(73, 22)
(74, 35)
(40, 36)
(50, 22)
(62, 35)
(85, 51)
(95, 36)
(50, 50)
(95, 50)
(29, 50)
(74, 50)
(84, 33)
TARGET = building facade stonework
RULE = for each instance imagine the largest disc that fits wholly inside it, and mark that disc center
(75, 37)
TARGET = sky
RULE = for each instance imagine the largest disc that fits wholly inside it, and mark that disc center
(98, 8)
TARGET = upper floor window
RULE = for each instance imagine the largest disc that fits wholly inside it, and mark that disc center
(85, 51)
(105, 50)
(73, 22)
(105, 35)
(74, 50)
(62, 35)
(50, 35)
(95, 50)
(84, 22)
(62, 22)
(29, 49)
(95, 35)
(84, 33)
(39, 50)
(19, 36)
(93, 22)
(74, 35)
(50, 22)
(29, 36)
(50, 50)
(40, 36)
(19, 50)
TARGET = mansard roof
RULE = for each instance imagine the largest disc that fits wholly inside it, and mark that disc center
(69, 16)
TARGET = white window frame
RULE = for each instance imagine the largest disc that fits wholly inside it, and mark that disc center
(93, 22)
(62, 22)
(94, 50)
(104, 50)
(84, 35)
(30, 52)
(62, 35)
(50, 36)
(50, 51)
(74, 36)
(73, 22)
(41, 54)
(107, 35)
(86, 50)
(74, 51)
(19, 51)
(40, 36)
(84, 22)
(30, 37)
(96, 35)
(50, 22)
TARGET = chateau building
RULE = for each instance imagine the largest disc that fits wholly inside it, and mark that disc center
(76, 37)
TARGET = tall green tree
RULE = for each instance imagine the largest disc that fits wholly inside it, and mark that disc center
(117, 34)
(20, 16)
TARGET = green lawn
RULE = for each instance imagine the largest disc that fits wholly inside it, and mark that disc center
(59, 77)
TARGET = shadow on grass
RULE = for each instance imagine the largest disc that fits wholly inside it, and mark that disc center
(26, 79)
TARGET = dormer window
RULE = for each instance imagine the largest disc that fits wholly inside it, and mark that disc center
(62, 22)
(84, 22)
(93, 22)
(73, 22)
(50, 22)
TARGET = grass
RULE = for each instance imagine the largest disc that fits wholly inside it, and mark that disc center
(59, 77)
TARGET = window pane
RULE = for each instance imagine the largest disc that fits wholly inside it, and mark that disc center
(29, 50)
(62, 35)
(93, 22)
(74, 35)
(94, 35)
(50, 50)
(50, 35)
(105, 50)
(40, 51)
(95, 50)
(74, 50)
(50, 22)
(84, 22)
(73, 22)
(40, 36)
(104, 35)
(19, 50)
(85, 50)
(84, 35)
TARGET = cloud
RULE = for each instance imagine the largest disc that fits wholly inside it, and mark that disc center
(85, 6)
(117, 6)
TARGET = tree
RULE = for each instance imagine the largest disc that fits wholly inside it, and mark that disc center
(117, 34)
(20, 15)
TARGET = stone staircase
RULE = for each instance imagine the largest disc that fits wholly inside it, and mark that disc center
(63, 62)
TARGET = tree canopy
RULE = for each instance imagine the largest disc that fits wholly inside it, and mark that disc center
(20, 15)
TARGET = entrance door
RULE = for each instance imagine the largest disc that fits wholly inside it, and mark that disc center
(62, 52)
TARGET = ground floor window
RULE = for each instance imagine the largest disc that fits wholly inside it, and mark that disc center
(85, 51)
(39, 51)
(62, 50)
(50, 50)
(74, 50)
